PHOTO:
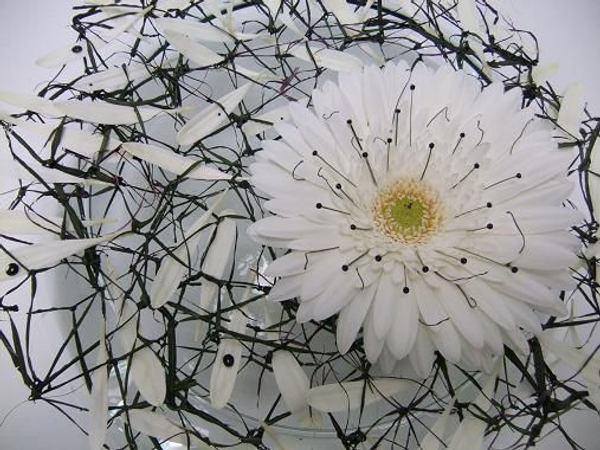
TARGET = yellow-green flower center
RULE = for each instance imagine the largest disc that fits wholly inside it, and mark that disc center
(408, 211)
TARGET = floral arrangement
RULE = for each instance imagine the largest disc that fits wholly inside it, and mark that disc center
(313, 224)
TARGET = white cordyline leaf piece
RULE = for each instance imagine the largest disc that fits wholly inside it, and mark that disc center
(152, 424)
(588, 366)
(111, 79)
(292, 381)
(194, 30)
(280, 442)
(43, 255)
(51, 176)
(327, 58)
(21, 222)
(75, 52)
(171, 270)
(217, 256)
(347, 396)
(196, 52)
(209, 119)
(471, 430)
(264, 121)
(207, 32)
(30, 102)
(158, 426)
(107, 113)
(227, 362)
(433, 438)
(95, 112)
(571, 109)
(541, 72)
(148, 374)
(73, 139)
(173, 162)
(341, 10)
(99, 396)
(468, 16)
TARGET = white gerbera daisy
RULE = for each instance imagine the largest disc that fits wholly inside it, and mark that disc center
(422, 208)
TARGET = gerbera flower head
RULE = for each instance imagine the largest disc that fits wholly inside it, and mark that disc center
(421, 207)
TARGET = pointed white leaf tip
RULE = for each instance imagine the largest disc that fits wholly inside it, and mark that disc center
(350, 395)
(172, 270)
(173, 162)
(227, 362)
(433, 440)
(40, 256)
(209, 119)
(99, 396)
(149, 376)
(327, 58)
(217, 257)
(471, 431)
(571, 110)
(292, 381)
(588, 366)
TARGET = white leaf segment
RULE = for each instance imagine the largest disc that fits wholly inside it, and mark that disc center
(99, 396)
(44, 255)
(174, 266)
(149, 376)
(209, 119)
(350, 395)
(227, 362)
(327, 58)
(171, 161)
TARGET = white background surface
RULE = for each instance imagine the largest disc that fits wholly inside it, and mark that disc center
(568, 32)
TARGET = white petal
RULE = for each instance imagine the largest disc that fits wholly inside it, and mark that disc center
(405, 321)
(422, 354)
(383, 305)
(209, 119)
(99, 397)
(223, 377)
(373, 346)
(571, 109)
(198, 53)
(347, 396)
(352, 317)
(173, 162)
(40, 256)
(148, 375)
(217, 256)
(291, 380)
(171, 270)
(328, 58)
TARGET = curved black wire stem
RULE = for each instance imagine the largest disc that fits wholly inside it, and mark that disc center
(156, 207)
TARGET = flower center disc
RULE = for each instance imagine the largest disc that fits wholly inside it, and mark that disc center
(408, 211)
